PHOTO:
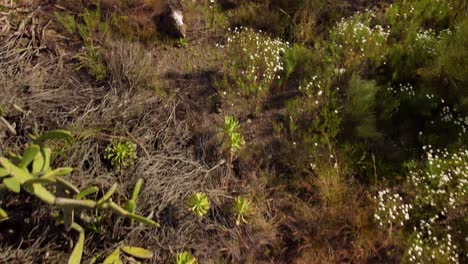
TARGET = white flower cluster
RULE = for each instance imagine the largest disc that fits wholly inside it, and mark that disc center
(391, 210)
(313, 89)
(425, 40)
(444, 183)
(356, 37)
(427, 247)
(437, 190)
(257, 57)
(448, 116)
(402, 88)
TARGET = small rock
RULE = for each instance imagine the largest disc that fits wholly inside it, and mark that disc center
(171, 22)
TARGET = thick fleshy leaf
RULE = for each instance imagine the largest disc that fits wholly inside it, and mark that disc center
(54, 135)
(12, 184)
(77, 253)
(60, 172)
(113, 258)
(3, 214)
(3, 172)
(21, 175)
(107, 195)
(38, 162)
(28, 156)
(138, 252)
(43, 162)
(87, 192)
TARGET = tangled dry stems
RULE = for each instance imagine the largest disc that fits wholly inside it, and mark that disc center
(54, 96)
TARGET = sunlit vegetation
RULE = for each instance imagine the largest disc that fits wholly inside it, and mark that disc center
(275, 131)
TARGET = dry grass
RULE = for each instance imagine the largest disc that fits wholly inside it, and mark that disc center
(55, 96)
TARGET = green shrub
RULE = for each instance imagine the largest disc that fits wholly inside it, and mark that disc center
(314, 119)
(297, 62)
(360, 108)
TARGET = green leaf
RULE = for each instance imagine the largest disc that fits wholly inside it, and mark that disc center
(38, 162)
(77, 253)
(107, 195)
(3, 172)
(54, 135)
(3, 214)
(68, 217)
(87, 192)
(138, 252)
(12, 184)
(60, 172)
(130, 206)
(113, 258)
(28, 156)
(20, 174)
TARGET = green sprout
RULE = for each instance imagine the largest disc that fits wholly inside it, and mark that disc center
(231, 128)
(241, 209)
(181, 43)
(185, 258)
(199, 204)
(121, 154)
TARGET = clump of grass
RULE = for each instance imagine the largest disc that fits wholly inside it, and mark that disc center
(130, 65)
(67, 21)
(121, 154)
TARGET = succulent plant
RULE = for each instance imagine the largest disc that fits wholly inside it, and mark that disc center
(185, 258)
(231, 128)
(121, 154)
(31, 172)
(199, 204)
(242, 208)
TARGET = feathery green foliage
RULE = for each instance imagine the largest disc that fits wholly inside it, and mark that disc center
(360, 107)
(67, 21)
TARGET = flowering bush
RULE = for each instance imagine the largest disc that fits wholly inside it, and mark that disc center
(254, 63)
(432, 210)
(355, 40)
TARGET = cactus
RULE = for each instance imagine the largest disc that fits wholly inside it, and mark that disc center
(31, 172)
